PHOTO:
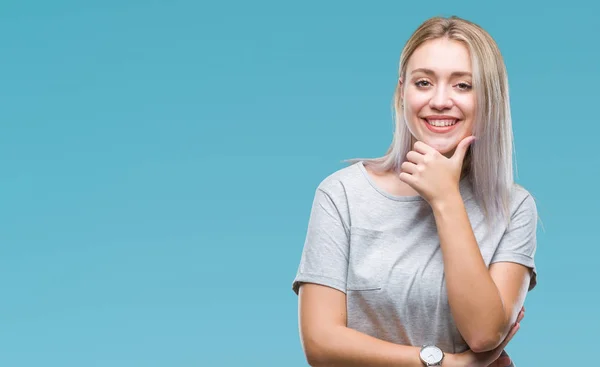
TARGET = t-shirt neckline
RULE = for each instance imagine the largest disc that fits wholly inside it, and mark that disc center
(361, 166)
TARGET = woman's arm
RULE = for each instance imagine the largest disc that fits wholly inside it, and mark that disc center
(484, 303)
(327, 341)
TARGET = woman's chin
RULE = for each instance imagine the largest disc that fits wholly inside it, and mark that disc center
(443, 147)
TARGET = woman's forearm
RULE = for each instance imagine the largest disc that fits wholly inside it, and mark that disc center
(474, 299)
(346, 347)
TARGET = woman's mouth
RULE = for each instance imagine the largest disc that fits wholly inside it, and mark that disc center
(441, 125)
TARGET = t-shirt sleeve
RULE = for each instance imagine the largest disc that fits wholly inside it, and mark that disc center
(324, 258)
(518, 244)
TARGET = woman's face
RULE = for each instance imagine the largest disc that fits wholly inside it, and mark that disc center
(439, 103)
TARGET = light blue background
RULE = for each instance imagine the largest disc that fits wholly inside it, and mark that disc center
(158, 161)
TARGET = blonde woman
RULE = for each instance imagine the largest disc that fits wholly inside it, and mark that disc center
(424, 257)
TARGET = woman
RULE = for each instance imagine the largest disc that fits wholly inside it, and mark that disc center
(424, 257)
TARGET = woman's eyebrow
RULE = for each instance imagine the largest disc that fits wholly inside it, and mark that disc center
(431, 72)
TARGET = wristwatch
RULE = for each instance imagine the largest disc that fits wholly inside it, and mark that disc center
(431, 355)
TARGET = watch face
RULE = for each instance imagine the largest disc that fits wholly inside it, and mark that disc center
(432, 355)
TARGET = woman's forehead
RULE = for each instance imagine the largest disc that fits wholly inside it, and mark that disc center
(440, 57)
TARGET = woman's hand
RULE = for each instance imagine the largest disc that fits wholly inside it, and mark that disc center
(431, 174)
(503, 361)
(494, 358)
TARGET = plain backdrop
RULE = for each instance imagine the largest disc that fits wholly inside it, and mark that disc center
(158, 161)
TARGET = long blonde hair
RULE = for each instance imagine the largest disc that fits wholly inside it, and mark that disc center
(488, 165)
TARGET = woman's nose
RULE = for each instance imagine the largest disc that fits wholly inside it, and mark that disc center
(441, 99)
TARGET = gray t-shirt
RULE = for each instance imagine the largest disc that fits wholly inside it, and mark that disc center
(383, 252)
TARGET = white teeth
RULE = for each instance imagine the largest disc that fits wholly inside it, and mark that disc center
(441, 123)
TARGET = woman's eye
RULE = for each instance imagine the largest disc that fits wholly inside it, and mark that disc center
(422, 83)
(464, 86)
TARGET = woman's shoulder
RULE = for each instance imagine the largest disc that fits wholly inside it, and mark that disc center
(521, 199)
(342, 179)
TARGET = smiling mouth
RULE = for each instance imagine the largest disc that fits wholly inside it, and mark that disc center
(441, 122)
(441, 125)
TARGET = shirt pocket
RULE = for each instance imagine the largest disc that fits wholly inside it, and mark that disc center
(368, 260)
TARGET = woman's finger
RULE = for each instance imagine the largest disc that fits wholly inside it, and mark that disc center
(408, 178)
(500, 352)
(521, 316)
(501, 362)
(409, 167)
(510, 335)
(414, 157)
(423, 148)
